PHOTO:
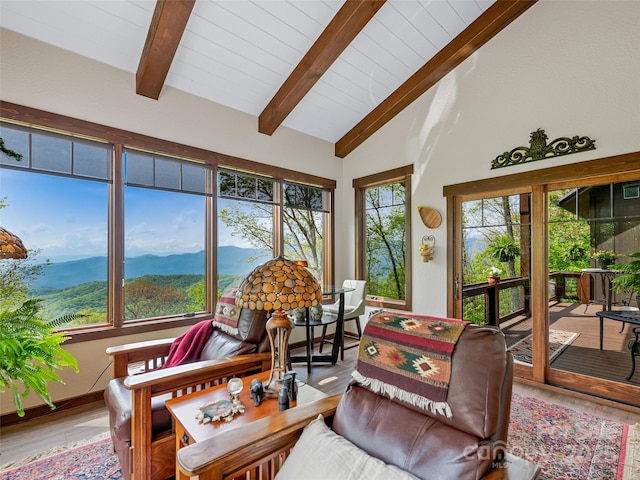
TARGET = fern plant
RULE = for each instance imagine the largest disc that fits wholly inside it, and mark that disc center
(31, 353)
(504, 249)
(629, 280)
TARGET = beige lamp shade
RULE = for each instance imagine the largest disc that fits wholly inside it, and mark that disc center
(279, 284)
(11, 246)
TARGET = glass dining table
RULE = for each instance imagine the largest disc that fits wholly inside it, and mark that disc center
(310, 322)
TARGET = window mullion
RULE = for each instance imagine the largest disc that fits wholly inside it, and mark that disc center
(115, 307)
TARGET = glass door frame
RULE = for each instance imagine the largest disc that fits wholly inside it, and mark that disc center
(614, 169)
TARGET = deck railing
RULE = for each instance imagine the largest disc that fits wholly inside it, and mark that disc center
(493, 304)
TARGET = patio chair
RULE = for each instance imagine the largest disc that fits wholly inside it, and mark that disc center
(354, 306)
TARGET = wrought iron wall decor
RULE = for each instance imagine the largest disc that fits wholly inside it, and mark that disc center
(539, 149)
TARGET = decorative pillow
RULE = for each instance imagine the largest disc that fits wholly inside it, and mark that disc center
(322, 454)
(227, 313)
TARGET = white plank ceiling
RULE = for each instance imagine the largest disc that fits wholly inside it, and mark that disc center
(239, 52)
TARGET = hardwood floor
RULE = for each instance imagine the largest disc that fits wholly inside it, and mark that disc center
(68, 426)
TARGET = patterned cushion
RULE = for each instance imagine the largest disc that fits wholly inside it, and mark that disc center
(227, 313)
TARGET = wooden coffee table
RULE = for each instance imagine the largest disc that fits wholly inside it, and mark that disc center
(189, 430)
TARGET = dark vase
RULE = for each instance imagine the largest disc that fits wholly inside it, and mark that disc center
(604, 264)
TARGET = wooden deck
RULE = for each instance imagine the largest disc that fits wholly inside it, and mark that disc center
(584, 356)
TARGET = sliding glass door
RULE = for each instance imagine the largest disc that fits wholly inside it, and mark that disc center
(592, 229)
(545, 238)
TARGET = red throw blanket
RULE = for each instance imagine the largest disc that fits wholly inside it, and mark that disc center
(188, 346)
(408, 356)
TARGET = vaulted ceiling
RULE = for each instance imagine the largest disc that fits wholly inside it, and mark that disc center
(333, 69)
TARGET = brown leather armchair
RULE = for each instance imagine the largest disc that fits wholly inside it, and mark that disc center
(469, 445)
(140, 424)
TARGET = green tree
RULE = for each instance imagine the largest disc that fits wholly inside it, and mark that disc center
(145, 299)
(491, 224)
(569, 237)
(492, 235)
(385, 241)
(302, 232)
(197, 295)
(16, 276)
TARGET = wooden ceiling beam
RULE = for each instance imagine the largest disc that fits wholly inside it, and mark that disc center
(340, 32)
(483, 29)
(169, 20)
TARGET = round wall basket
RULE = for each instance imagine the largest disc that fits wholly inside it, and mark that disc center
(430, 217)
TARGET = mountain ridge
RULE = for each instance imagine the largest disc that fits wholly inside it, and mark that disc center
(231, 260)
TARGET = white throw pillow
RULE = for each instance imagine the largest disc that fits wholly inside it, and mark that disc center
(322, 454)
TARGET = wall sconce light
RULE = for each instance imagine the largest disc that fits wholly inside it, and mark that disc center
(427, 247)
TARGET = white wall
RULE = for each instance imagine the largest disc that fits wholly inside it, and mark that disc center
(571, 68)
(47, 78)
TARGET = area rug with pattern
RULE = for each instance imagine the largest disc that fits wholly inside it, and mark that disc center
(569, 444)
(91, 461)
(558, 341)
(566, 443)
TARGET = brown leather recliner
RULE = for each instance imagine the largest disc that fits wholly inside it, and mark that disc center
(469, 445)
(429, 445)
(140, 424)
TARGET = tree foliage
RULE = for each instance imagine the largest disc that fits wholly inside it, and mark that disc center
(302, 232)
(385, 241)
(492, 236)
(569, 238)
(144, 298)
(492, 232)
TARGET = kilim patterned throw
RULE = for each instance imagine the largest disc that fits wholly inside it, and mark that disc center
(409, 357)
(227, 313)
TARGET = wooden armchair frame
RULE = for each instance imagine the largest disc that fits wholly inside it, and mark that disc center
(258, 450)
(153, 457)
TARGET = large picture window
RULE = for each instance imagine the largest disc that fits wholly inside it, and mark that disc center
(305, 216)
(246, 206)
(139, 236)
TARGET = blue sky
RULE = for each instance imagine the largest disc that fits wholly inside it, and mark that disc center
(67, 218)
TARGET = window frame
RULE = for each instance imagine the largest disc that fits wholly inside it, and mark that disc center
(360, 185)
(39, 121)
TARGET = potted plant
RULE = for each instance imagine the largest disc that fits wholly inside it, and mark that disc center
(576, 252)
(31, 352)
(493, 276)
(504, 249)
(604, 258)
(629, 280)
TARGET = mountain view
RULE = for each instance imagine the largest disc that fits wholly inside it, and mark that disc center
(231, 261)
(154, 285)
